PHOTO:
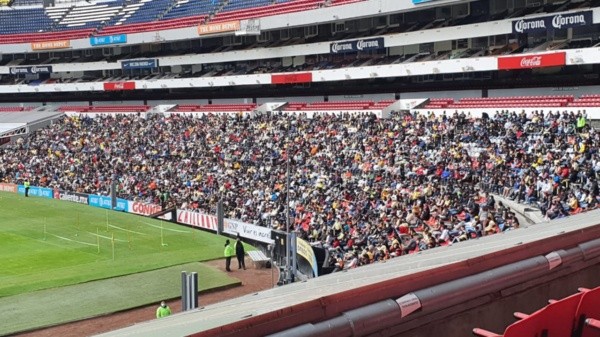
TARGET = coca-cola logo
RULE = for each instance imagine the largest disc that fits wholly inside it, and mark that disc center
(531, 62)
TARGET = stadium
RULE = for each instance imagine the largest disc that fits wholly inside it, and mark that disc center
(382, 168)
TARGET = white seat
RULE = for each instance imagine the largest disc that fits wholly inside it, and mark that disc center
(259, 258)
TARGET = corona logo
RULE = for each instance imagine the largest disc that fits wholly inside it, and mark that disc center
(522, 25)
(558, 21)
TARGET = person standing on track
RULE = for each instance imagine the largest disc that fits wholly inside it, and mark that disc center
(228, 254)
(239, 252)
(26, 184)
(163, 310)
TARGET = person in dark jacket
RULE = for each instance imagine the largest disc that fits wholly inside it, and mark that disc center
(239, 252)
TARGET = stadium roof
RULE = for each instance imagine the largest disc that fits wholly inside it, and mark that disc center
(10, 126)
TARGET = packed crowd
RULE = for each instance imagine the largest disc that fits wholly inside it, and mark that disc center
(367, 189)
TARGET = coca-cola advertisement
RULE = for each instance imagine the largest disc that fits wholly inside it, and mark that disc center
(532, 61)
(291, 78)
(116, 86)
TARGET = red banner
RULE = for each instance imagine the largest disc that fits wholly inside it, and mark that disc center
(532, 61)
(142, 208)
(113, 86)
(197, 219)
(8, 188)
(291, 78)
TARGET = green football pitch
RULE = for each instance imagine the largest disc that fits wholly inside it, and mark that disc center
(92, 261)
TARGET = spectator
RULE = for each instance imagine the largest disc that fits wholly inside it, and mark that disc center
(357, 183)
(239, 252)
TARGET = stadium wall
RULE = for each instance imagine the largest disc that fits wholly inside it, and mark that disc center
(116, 103)
(175, 102)
(231, 100)
(370, 97)
(457, 94)
(454, 66)
(355, 303)
(307, 99)
(592, 113)
(577, 91)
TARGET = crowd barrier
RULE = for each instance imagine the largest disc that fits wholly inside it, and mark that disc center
(230, 226)
(101, 201)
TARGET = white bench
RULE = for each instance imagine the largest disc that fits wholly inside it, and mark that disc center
(259, 258)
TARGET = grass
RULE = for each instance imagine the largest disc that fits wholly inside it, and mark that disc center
(49, 244)
(47, 307)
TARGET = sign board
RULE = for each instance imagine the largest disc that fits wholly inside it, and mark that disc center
(60, 44)
(291, 78)
(116, 86)
(357, 45)
(249, 27)
(139, 64)
(109, 39)
(220, 27)
(558, 21)
(29, 70)
(532, 61)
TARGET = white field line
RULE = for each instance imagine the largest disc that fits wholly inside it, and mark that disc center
(127, 230)
(83, 243)
(106, 237)
(167, 229)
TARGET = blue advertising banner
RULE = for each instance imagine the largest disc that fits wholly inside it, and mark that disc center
(105, 202)
(110, 39)
(35, 191)
(139, 64)
(558, 21)
(357, 45)
(80, 198)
